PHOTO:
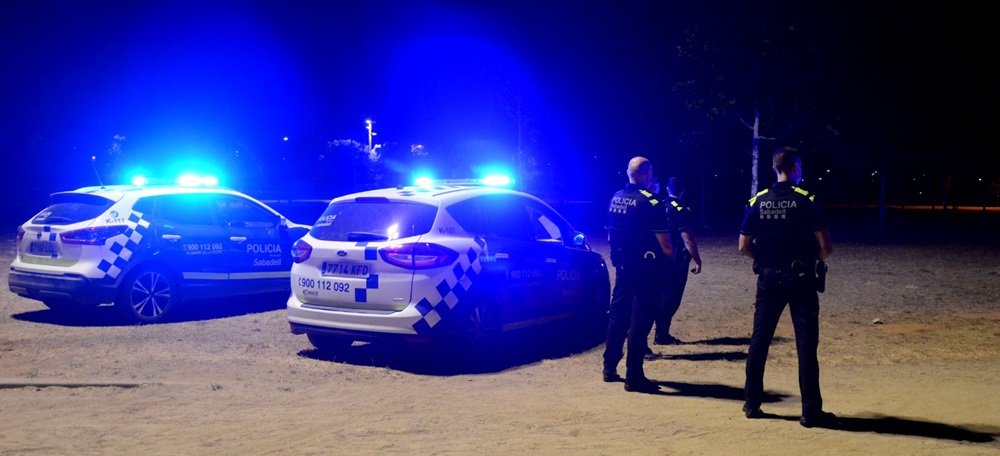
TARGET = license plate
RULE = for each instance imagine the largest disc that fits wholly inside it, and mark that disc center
(42, 248)
(346, 269)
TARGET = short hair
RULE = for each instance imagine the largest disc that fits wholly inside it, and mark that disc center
(675, 186)
(785, 158)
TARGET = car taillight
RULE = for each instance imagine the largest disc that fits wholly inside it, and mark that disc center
(301, 250)
(95, 235)
(20, 234)
(419, 255)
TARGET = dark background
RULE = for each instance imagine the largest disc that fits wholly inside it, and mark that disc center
(891, 105)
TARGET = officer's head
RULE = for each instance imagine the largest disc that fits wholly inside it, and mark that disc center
(788, 164)
(640, 171)
(675, 186)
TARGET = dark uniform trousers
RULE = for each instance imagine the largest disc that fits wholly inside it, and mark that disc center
(634, 304)
(673, 293)
(775, 289)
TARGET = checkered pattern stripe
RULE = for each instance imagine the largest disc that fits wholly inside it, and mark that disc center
(371, 254)
(441, 300)
(123, 246)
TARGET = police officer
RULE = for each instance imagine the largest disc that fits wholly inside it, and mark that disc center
(640, 246)
(785, 232)
(685, 251)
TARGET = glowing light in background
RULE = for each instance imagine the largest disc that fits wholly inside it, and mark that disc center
(423, 181)
(497, 180)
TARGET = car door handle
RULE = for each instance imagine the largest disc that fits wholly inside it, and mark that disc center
(502, 256)
(550, 260)
(237, 238)
(171, 237)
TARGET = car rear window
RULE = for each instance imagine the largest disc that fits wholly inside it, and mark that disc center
(373, 220)
(69, 208)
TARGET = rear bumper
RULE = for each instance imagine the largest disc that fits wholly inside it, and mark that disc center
(364, 336)
(407, 325)
(67, 288)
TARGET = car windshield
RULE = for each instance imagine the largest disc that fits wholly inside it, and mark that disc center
(358, 221)
(68, 208)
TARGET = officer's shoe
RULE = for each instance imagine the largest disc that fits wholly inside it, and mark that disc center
(666, 340)
(641, 385)
(611, 376)
(650, 355)
(821, 419)
(753, 413)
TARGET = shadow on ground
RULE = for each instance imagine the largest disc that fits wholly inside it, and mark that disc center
(881, 424)
(519, 349)
(194, 310)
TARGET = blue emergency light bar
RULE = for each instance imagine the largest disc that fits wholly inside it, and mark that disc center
(495, 180)
(186, 180)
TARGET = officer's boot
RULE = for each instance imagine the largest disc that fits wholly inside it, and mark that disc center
(638, 383)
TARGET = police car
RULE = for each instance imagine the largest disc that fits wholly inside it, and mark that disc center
(145, 248)
(452, 261)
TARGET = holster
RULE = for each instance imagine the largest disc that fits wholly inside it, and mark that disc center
(821, 269)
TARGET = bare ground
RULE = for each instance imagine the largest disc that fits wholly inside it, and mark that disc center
(909, 353)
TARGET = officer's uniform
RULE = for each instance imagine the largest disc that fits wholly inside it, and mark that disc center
(634, 217)
(677, 271)
(782, 221)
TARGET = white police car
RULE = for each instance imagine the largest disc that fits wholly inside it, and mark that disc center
(146, 248)
(453, 262)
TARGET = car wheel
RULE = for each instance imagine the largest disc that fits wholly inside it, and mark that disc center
(484, 326)
(147, 294)
(329, 344)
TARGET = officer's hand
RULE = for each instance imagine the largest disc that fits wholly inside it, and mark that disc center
(696, 269)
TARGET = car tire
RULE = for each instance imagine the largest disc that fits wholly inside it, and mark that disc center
(147, 294)
(329, 344)
(483, 329)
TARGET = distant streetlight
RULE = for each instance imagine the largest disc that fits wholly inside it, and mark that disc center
(368, 125)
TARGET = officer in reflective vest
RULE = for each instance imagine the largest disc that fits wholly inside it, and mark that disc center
(785, 232)
(685, 250)
(640, 248)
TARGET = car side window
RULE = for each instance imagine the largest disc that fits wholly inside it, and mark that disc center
(185, 209)
(494, 215)
(242, 212)
(544, 227)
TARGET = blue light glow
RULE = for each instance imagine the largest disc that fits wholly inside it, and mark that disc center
(497, 180)
(194, 180)
(424, 182)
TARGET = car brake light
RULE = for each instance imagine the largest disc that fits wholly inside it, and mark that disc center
(95, 235)
(20, 234)
(301, 250)
(419, 255)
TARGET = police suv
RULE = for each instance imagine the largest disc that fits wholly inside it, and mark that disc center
(454, 262)
(147, 248)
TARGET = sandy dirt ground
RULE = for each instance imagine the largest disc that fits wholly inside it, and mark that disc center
(909, 355)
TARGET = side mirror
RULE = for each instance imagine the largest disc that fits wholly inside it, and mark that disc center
(579, 239)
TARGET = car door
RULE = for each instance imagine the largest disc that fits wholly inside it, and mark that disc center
(518, 267)
(259, 256)
(191, 241)
(553, 237)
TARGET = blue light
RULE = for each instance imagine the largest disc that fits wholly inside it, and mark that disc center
(423, 181)
(139, 181)
(496, 180)
(194, 180)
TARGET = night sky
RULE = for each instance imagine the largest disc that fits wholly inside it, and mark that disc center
(909, 92)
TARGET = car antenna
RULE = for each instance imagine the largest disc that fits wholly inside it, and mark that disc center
(93, 163)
